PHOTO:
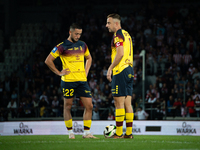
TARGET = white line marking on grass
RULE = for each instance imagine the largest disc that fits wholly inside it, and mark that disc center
(172, 142)
(102, 141)
(71, 141)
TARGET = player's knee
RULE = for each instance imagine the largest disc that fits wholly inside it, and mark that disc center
(89, 107)
(68, 105)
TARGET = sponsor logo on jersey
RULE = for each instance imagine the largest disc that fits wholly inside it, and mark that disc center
(87, 91)
(76, 48)
(54, 49)
(129, 75)
(77, 57)
(116, 39)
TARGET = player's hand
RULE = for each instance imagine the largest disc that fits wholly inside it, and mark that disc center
(65, 72)
(109, 73)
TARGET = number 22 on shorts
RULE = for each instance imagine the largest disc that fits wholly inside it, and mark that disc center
(68, 92)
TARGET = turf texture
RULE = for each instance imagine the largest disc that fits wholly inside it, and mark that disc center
(61, 142)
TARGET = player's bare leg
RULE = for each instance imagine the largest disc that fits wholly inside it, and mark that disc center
(87, 116)
(68, 117)
(129, 117)
(119, 116)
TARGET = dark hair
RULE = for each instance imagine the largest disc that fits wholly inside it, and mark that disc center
(114, 16)
(75, 26)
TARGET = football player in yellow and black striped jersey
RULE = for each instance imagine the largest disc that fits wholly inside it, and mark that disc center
(122, 80)
(72, 53)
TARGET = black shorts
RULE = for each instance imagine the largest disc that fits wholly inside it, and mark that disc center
(122, 83)
(80, 89)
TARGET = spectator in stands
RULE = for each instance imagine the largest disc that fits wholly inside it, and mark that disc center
(111, 116)
(14, 95)
(163, 106)
(191, 45)
(152, 98)
(3, 114)
(107, 90)
(55, 107)
(12, 106)
(191, 69)
(197, 83)
(164, 91)
(189, 89)
(182, 83)
(187, 58)
(101, 84)
(177, 107)
(177, 57)
(170, 103)
(141, 114)
(180, 94)
(159, 38)
(4, 99)
(162, 62)
(183, 110)
(197, 106)
(190, 106)
(7, 85)
(196, 75)
(44, 96)
(43, 107)
(92, 83)
(95, 113)
(160, 108)
(28, 108)
(134, 100)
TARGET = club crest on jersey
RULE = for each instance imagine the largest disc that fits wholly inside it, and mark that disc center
(77, 57)
(54, 49)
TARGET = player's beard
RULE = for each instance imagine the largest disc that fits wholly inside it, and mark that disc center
(74, 41)
(110, 30)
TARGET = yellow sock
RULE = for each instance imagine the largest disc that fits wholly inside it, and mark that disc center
(129, 123)
(87, 124)
(119, 118)
(68, 124)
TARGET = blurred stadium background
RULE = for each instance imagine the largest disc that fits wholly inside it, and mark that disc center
(167, 30)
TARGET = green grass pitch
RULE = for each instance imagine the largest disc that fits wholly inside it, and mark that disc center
(61, 142)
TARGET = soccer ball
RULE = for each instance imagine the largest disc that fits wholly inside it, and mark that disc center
(109, 131)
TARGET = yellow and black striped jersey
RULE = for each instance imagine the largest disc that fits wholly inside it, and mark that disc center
(122, 38)
(72, 57)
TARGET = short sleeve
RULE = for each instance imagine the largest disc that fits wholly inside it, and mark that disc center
(56, 51)
(87, 52)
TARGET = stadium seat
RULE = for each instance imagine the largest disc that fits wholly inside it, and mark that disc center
(19, 39)
(1, 39)
(30, 27)
(13, 46)
(37, 26)
(12, 39)
(24, 26)
(18, 33)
